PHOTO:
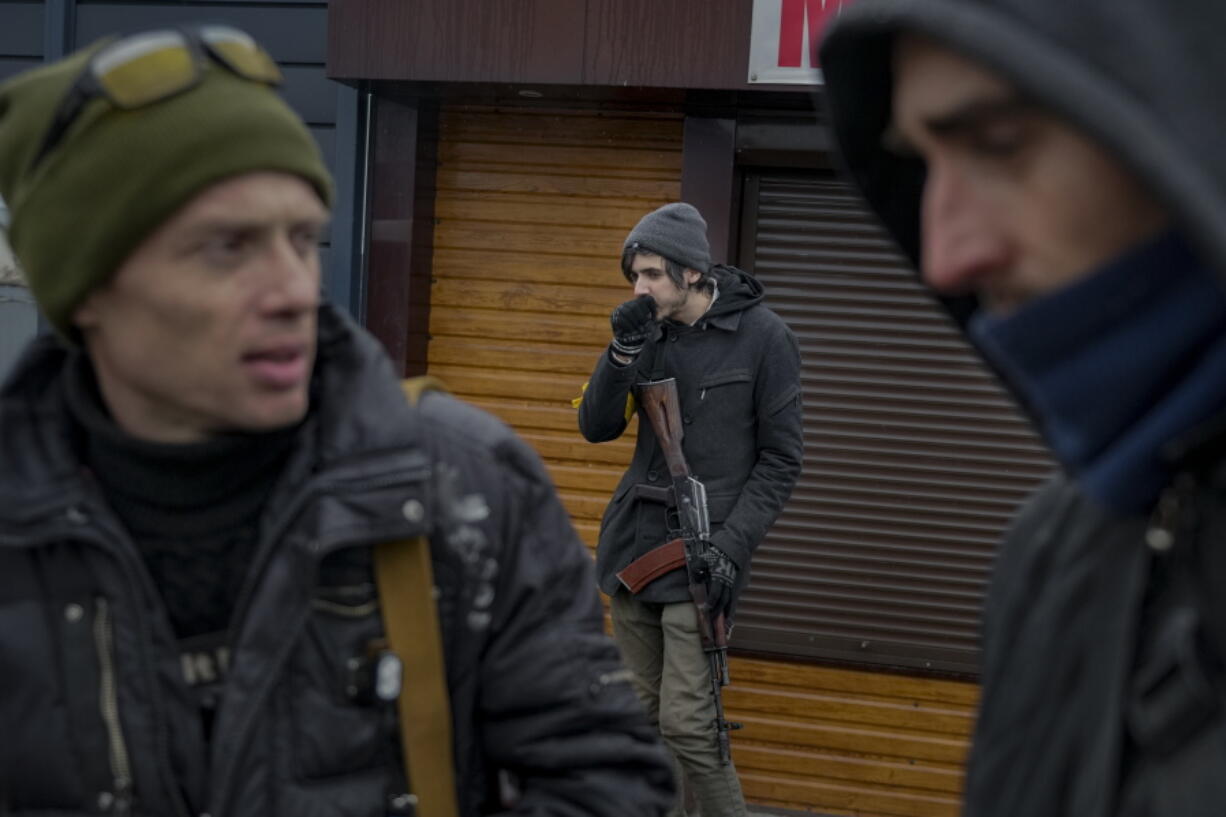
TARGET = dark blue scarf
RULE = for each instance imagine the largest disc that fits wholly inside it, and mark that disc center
(1117, 365)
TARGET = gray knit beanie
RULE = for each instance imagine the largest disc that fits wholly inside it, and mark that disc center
(677, 232)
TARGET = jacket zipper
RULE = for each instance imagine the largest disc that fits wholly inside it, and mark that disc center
(108, 700)
(83, 526)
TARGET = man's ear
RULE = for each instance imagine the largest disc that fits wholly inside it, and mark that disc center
(692, 276)
(85, 316)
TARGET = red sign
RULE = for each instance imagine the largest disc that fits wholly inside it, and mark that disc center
(785, 38)
(798, 17)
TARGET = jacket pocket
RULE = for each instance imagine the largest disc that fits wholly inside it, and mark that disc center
(53, 755)
(725, 395)
(719, 505)
(724, 378)
(336, 728)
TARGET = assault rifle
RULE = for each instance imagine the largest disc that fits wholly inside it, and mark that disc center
(660, 402)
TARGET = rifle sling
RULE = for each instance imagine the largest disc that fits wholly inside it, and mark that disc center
(410, 619)
(652, 565)
(405, 580)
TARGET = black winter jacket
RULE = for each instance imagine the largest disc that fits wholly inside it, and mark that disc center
(1103, 690)
(1104, 693)
(94, 712)
(738, 379)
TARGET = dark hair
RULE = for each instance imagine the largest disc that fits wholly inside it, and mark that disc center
(675, 271)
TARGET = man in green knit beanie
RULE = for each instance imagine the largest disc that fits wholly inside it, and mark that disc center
(196, 471)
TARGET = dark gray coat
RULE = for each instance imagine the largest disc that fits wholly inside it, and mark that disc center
(1104, 688)
(738, 379)
(92, 696)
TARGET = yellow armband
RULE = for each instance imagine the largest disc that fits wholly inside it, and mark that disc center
(630, 404)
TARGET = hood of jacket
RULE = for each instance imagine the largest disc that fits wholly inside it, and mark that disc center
(1137, 76)
(738, 290)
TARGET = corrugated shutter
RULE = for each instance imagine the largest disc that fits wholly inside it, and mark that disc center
(531, 212)
(915, 460)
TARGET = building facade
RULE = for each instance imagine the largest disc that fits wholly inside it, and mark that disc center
(511, 147)
(491, 156)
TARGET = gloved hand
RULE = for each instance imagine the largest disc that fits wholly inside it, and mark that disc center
(632, 322)
(721, 578)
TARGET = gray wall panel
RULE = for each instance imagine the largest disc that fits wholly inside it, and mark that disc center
(311, 94)
(292, 34)
(15, 65)
(21, 29)
(18, 323)
(325, 136)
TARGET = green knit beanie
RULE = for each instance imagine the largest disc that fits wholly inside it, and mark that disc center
(118, 175)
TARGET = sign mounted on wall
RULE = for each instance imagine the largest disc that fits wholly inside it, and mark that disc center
(784, 39)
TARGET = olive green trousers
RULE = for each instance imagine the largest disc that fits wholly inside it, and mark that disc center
(661, 646)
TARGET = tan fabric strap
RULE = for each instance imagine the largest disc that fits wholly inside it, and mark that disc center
(405, 579)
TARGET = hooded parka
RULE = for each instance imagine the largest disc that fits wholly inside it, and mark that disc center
(1104, 631)
(94, 711)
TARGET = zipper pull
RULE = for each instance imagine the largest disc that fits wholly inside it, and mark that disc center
(118, 802)
(1164, 522)
(123, 799)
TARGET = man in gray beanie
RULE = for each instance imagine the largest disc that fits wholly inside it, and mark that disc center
(737, 371)
(205, 471)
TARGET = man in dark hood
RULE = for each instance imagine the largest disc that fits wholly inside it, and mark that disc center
(1053, 170)
(737, 370)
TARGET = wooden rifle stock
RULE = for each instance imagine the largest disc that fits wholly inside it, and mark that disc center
(663, 408)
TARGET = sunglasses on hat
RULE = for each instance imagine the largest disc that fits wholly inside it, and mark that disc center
(149, 67)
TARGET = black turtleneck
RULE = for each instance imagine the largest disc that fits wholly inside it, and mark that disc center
(193, 509)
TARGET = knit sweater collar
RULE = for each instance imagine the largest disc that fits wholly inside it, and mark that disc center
(161, 488)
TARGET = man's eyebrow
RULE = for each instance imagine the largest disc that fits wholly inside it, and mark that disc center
(978, 111)
(224, 223)
(962, 118)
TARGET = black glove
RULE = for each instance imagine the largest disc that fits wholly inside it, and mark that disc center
(632, 322)
(721, 578)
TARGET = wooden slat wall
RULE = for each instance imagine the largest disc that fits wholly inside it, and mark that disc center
(531, 213)
(845, 742)
(532, 209)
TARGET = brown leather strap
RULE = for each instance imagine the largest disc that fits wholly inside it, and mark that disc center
(410, 619)
(405, 578)
(652, 565)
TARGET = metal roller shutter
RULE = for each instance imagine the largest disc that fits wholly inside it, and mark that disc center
(915, 459)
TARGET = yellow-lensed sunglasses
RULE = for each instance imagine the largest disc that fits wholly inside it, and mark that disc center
(149, 67)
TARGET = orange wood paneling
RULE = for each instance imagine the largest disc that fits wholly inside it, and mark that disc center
(839, 741)
(531, 212)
